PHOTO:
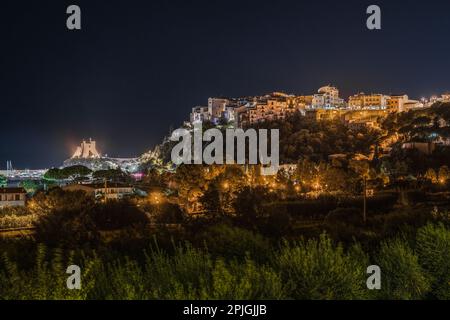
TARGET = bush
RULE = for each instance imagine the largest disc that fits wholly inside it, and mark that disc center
(67, 227)
(115, 215)
(233, 242)
(46, 280)
(188, 274)
(316, 269)
(344, 224)
(433, 248)
(402, 277)
(167, 213)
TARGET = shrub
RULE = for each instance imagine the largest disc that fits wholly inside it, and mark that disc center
(116, 215)
(228, 241)
(433, 248)
(402, 277)
(316, 269)
(46, 280)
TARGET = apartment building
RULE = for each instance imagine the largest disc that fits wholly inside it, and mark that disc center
(327, 98)
(368, 101)
(396, 103)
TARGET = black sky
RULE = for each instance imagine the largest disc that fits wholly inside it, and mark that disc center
(138, 67)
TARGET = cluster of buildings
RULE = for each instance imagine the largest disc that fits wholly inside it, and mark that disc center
(325, 104)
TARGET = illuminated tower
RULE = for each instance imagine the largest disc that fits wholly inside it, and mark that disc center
(87, 150)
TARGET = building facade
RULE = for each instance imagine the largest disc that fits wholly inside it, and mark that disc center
(12, 197)
(327, 98)
(396, 103)
(374, 101)
(110, 191)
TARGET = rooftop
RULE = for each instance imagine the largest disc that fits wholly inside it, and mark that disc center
(12, 190)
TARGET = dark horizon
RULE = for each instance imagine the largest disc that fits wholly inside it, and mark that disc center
(137, 68)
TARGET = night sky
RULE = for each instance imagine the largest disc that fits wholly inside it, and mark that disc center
(137, 67)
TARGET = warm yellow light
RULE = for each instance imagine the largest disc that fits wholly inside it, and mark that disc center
(156, 198)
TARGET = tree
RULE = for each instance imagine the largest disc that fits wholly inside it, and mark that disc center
(30, 186)
(433, 247)
(3, 181)
(362, 168)
(403, 278)
(248, 204)
(53, 174)
(444, 174)
(431, 175)
(72, 172)
(212, 200)
(154, 178)
(114, 175)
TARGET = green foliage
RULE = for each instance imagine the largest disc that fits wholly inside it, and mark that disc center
(307, 269)
(115, 175)
(233, 242)
(46, 280)
(30, 186)
(433, 247)
(317, 270)
(402, 276)
(72, 172)
(3, 181)
(187, 274)
(301, 137)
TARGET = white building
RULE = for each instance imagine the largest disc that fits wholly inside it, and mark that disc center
(200, 114)
(216, 108)
(327, 98)
(446, 97)
(412, 104)
(12, 197)
(112, 191)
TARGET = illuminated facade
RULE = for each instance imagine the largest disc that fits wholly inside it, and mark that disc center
(446, 97)
(368, 101)
(396, 103)
(327, 98)
(12, 197)
(87, 150)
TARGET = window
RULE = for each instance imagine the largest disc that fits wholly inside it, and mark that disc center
(17, 197)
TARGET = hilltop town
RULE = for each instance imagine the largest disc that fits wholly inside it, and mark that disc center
(326, 104)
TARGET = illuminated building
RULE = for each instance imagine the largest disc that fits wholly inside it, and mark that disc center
(396, 103)
(368, 101)
(12, 197)
(200, 114)
(87, 150)
(327, 98)
(446, 97)
(112, 191)
(412, 104)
